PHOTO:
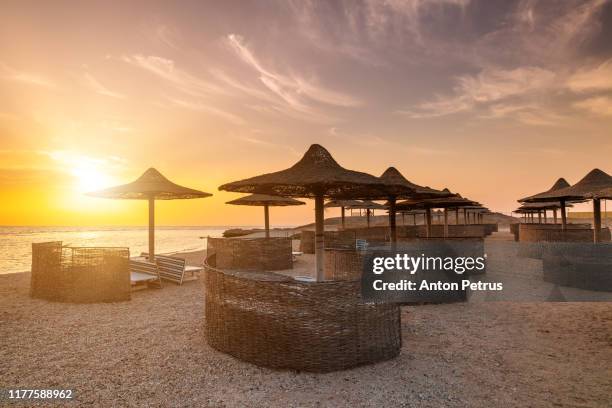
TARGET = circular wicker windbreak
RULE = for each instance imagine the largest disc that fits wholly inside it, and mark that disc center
(152, 184)
(274, 321)
(596, 184)
(264, 199)
(316, 174)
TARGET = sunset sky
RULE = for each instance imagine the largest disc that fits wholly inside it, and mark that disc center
(492, 99)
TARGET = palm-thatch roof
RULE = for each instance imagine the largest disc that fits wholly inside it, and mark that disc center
(559, 184)
(535, 207)
(316, 174)
(152, 184)
(595, 184)
(367, 205)
(264, 199)
(399, 187)
(341, 203)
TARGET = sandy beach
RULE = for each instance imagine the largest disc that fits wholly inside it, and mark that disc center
(151, 352)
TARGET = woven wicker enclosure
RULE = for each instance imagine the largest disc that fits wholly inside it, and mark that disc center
(254, 254)
(579, 266)
(274, 321)
(80, 275)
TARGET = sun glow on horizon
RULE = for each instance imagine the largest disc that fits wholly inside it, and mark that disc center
(87, 171)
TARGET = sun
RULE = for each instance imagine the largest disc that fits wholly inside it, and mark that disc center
(87, 172)
(89, 178)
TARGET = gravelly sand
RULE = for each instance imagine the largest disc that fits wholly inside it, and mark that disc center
(151, 352)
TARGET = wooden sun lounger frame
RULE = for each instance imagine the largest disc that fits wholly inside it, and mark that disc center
(139, 270)
(175, 269)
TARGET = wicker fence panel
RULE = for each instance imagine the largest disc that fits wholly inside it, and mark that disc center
(343, 265)
(273, 321)
(333, 239)
(553, 233)
(580, 266)
(258, 254)
(80, 275)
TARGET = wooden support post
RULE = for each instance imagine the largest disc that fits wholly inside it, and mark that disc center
(342, 215)
(392, 220)
(554, 215)
(428, 222)
(563, 216)
(267, 220)
(596, 220)
(445, 223)
(319, 238)
(151, 229)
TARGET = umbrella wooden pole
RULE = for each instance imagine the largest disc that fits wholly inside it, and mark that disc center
(563, 216)
(403, 219)
(445, 223)
(151, 229)
(428, 222)
(465, 217)
(342, 215)
(456, 216)
(413, 219)
(392, 220)
(368, 217)
(539, 217)
(319, 238)
(596, 220)
(554, 215)
(267, 220)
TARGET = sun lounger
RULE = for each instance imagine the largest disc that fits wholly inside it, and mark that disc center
(144, 274)
(361, 245)
(175, 270)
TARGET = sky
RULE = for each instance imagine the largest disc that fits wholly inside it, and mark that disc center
(492, 99)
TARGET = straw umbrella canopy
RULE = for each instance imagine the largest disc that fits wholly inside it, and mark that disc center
(399, 188)
(317, 175)
(560, 184)
(151, 186)
(531, 208)
(265, 201)
(369, 206)
(454, 200)
(342, 204)
(594, 186)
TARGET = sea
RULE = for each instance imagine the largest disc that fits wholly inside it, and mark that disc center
(16, 242)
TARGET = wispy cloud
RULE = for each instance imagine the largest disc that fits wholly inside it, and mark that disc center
(93, 84)
(598, 78)
(199, 106)
(489, 86)
(166, 69)
(11, 74)
(599, 105)
(292, 89)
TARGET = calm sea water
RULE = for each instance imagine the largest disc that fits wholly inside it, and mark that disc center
(16, 250)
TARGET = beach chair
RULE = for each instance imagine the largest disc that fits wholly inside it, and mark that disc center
(175, 270)
(361, 245)
(144, 274)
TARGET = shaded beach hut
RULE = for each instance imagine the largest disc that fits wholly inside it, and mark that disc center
(343, 204)
(594, 186)
(265, 201)
(317, 175)
(398, 187)
(151, 186)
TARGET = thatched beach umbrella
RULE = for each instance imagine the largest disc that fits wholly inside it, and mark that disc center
(530, 208)
(317, 175)
(452, 201)
(594, 186)
(151, 186)
(561, 183)
(343, 204)
(265, 201)
(369, 206)
(400, 188)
